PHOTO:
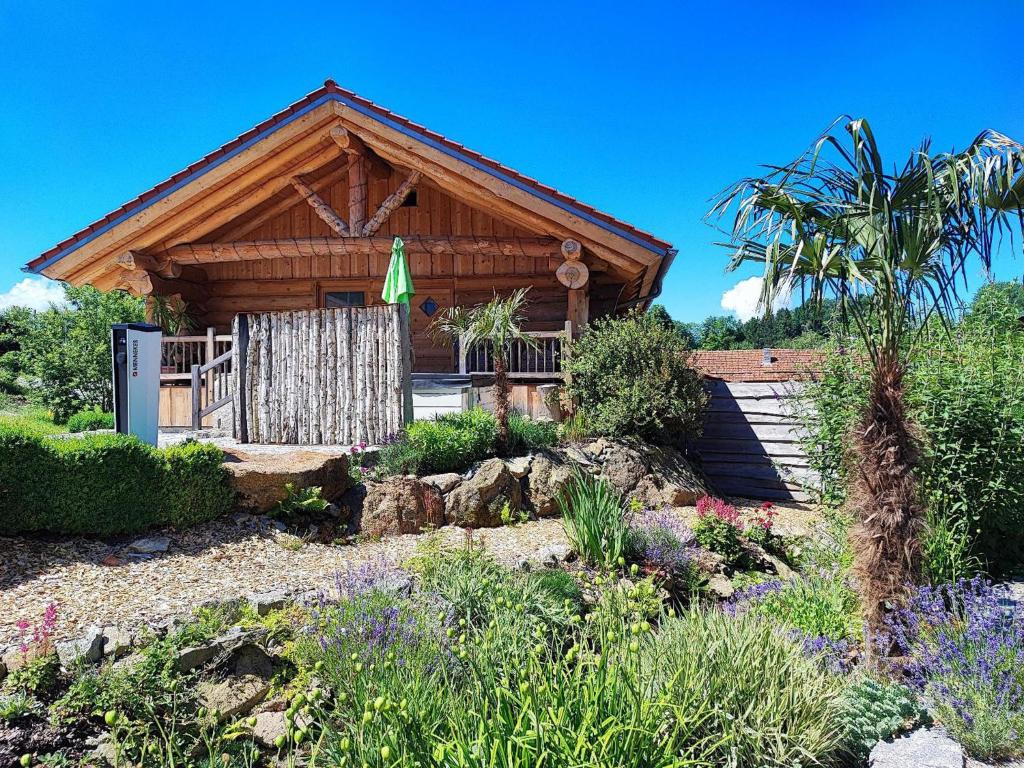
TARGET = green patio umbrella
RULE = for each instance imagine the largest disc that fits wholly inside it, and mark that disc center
(398, 282)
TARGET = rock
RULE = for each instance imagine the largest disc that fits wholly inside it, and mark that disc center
(707, 561)
(235, 695)
(784, 571)
(679, 483)
(149, 546)
(265, 602)
(401, 505)
(549, 472)
(259, 480)
(720, 586)
(576, 456)
(350, 505)
(444, 482)
(623, 466)
(924, 748)
(478, 502)
(195, 656)
(553, 554)
(269, 725)
(105, 752)
(89, 648)
(250, 659)
(519, 467)
(116, 642)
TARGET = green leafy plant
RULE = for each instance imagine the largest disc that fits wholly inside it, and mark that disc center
(630, 376)
(819, 604)
(772, 704)
(719, 529)
(37, 676)
(873, 711)
(90, 421)
(299, 502)
(594, 521)
(526, 434)
(17, 705)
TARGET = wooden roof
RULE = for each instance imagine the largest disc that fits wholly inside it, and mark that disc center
(249, 170)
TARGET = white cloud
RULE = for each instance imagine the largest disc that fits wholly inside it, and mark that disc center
(33, 292)
(743, 298)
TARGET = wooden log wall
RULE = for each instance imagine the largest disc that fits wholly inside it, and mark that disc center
(323, 376)
(751, 444)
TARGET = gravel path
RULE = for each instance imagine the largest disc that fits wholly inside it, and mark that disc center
(227, 558)
(215, 561)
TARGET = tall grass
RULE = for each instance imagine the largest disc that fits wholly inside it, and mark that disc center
(594, 521)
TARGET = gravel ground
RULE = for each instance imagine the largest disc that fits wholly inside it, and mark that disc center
(224, 559)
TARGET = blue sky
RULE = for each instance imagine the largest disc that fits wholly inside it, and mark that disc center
(644, 110)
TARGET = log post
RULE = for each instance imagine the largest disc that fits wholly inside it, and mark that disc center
(357, 194)
(197, 399)
(321, 208)
(240, 363)
(391, 204)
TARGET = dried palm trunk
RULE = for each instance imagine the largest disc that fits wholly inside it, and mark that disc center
(501, 399)
(889, 517)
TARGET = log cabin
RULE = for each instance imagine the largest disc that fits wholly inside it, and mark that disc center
(300, 211)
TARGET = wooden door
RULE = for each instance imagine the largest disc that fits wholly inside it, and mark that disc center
(426, 304)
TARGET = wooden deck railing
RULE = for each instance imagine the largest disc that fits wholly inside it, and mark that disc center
(541, 359)
(179, 353)
(213, 386)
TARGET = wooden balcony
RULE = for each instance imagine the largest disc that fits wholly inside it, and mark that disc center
(540, 358)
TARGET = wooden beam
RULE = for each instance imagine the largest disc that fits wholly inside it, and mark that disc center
(497, 195)
(206, 253)
(351, 144)
(207, 211)
(572, 250)
(238, 228)
(357, 193)
(207, 191)
(391, 204)
(162, 265)
(321, 208)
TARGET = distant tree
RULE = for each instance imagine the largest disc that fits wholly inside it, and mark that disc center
(721, 332)
(15, 326)
(67, 351)
(998, 307)
(684, 330)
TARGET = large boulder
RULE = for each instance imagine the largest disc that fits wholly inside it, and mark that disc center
(622, 465)
(549, 472)
(478, 502)
(400, 505)
(669, 481)
(259, 479)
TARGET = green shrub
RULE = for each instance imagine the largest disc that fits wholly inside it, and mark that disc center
(594, 520)
(773, 706)
(873, 712)
(526, 434)
(630, 376)
(102, 485)
(90, 421)
(453, 442)
(298, 502)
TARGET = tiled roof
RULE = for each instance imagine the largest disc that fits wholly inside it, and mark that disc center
(748, 364)
(332, 89)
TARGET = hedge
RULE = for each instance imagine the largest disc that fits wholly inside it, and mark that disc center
(90, 421)
(103, 485)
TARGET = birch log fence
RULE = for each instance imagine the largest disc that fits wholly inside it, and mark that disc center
(323, 376)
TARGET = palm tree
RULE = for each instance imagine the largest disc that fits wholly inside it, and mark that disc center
(890, 246)
(496, 324)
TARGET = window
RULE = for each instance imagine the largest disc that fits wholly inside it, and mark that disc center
(339, 299)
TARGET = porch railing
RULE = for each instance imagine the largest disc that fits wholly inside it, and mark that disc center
(218, 391)
(179, 353)
(540, 359)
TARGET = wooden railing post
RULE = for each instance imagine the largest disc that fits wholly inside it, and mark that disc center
(197, 403)
(463, 354)
(211, 352)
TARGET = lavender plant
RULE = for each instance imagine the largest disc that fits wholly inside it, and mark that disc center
(660, 541)
(965, 646)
